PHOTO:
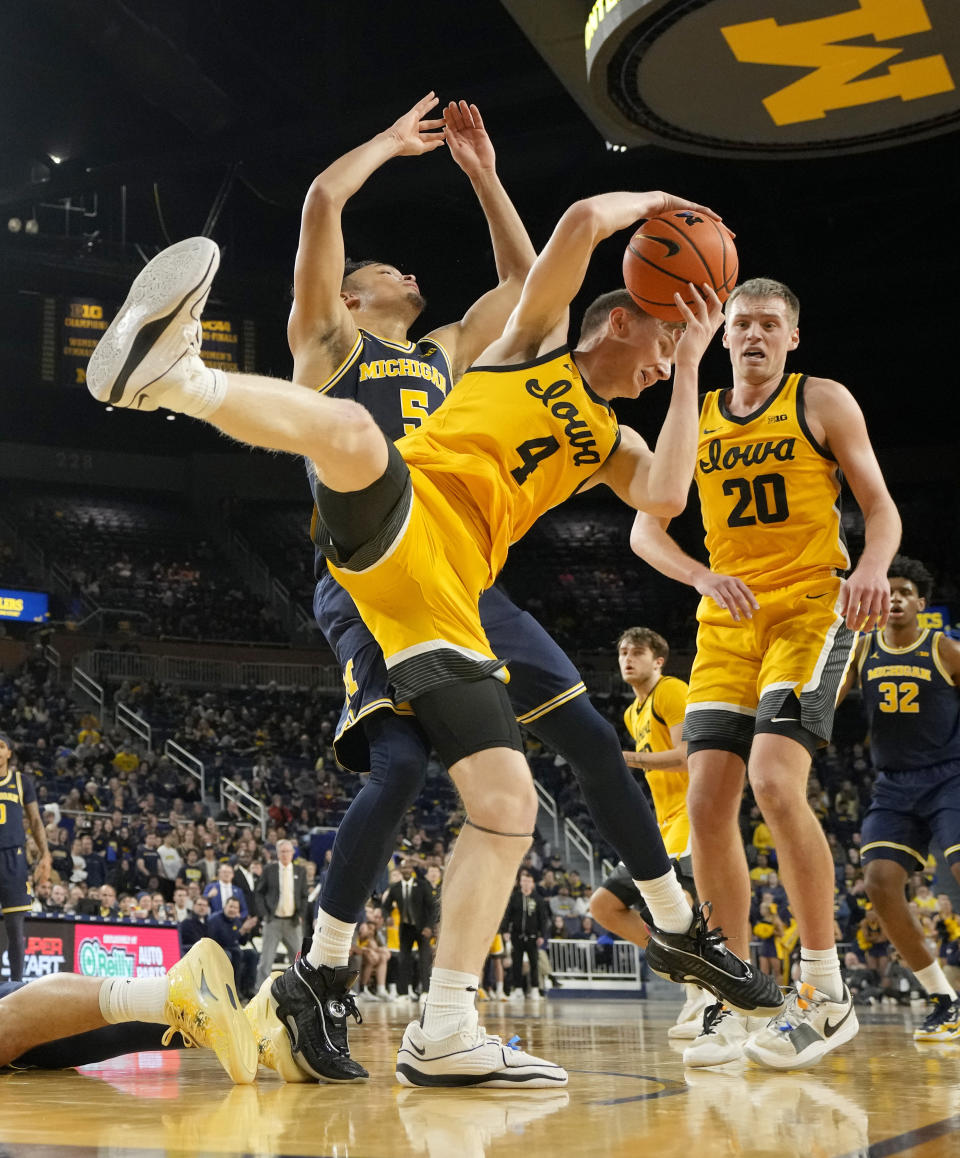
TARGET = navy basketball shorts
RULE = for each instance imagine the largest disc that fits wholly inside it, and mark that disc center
(14, 893)
(908, 811)
(542, 677)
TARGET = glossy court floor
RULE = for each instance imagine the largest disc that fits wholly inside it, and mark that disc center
(881, 1096)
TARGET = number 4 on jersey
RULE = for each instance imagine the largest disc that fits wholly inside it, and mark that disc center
(532, 453)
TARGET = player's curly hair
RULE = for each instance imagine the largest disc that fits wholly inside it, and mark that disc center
(903, 567)
(646, 637)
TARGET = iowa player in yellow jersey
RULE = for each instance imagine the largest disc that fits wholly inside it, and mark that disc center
(416, 530)
(654, 720)
(777, 630)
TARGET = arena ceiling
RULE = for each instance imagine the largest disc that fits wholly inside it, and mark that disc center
(169, 117)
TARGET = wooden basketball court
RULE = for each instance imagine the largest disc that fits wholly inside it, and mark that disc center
(881, 1096)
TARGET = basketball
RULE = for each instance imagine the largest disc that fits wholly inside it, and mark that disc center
(669, 251)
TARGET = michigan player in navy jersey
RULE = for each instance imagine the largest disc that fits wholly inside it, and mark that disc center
(415, 530)
(777, 625)
(18, 810)
(909, 677)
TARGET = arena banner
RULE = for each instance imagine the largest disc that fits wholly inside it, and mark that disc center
(82, 323)
(27, 606)
(221, 348)
(124, 950)
(93, 948)
(936, 616)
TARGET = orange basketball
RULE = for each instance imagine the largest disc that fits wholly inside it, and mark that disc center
(669, 251)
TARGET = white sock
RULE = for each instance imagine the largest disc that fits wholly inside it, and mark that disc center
(134, 999)
(451, 995)
(202, 393)
(821, 969)
(331, 941)
(934, 980)
(666, 902)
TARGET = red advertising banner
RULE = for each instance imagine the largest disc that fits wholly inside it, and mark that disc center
(93, 948)
(124, 950)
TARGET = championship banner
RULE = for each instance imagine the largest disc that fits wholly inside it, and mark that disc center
(221, 344)
(93, 948)
(937, 617)
(82, 323)
(27, 606)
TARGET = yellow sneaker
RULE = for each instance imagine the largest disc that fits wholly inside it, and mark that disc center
(204, 1009)
(273, 1041)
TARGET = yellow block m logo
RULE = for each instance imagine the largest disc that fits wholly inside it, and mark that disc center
(818, 44)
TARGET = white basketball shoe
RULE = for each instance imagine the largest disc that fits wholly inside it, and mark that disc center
(690, 1018)
(471, 1057)
(149, 356)
(810, 1025)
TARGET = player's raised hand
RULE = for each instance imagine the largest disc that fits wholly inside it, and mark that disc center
(661, 202)
(413, 133)
(729, 593)
(469, 144)
(865, 598)
(702, 317)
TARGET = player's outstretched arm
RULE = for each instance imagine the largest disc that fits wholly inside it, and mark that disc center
(318, 313)
(540, 319)
(470, 146)
(651, 542)
(865, 598)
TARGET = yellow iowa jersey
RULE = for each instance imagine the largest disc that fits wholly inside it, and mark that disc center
(769, 494)
(511, 442)
(649, 722)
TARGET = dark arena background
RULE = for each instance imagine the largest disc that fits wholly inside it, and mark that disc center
(157, 646)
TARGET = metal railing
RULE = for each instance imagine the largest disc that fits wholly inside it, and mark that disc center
(127, 718)
(188, 762)
(549, 806)
(52, 656)
(254, 808)
(606, 868)
(88, 686)
(194, 671)
(573, 835)
(616, 966)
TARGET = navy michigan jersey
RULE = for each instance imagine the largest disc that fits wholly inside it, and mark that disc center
(399, 383)
(16, 791)
(912, 704)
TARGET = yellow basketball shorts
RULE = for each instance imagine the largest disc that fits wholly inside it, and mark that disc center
(675, 830)
(419, 595)
(750, 676)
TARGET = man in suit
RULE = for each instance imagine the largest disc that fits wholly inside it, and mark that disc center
(245, 879)
(281, 896)
(232, 932)
(194, 925)
(413, 899)
(222, 889)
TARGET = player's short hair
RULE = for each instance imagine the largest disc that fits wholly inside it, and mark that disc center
(646, 637)
(599, 310)
(350, 267)
(6, 739)
(903, 567)
(766, 287)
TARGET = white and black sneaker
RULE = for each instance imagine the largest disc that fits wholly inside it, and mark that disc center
(810, 1025)
(149, 355)
(690, 1018)
(471, 1057)
(699, 956)
(313, 1005)
(720, 1040)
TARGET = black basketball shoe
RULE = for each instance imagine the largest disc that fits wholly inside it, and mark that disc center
(700, 957)
(313, 1004)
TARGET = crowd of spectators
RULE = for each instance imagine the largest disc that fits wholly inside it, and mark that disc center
(132, 839)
